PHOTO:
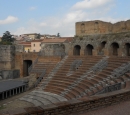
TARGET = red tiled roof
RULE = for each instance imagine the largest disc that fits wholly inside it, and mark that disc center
(58, 40)
(37, 40)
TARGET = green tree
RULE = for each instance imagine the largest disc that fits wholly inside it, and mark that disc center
(7, 39)
(58, 34)
(38, 36)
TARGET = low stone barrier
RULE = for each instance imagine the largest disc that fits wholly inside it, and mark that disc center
(75, 106)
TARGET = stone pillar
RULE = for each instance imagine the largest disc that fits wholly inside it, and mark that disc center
(94, 52)
(70, 53)
(16, 90)
(19, 90)
(3, 95)
(6, 94)
(81, 52)
(13, 91)
(120, 52)
(9, 93)
(22, 88)
(106, 52)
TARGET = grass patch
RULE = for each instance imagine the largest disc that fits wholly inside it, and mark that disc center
(2, 107)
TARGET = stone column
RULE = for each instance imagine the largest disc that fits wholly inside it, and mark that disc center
(6, 94)
(13, 91)
(3, 95)
(106, 52)
(19, 90)
(120, 52)
(16, 90)
(94, 52)
(22, 89)
(81, 51)
(9, 93)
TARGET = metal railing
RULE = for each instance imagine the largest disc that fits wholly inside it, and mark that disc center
(40, 78)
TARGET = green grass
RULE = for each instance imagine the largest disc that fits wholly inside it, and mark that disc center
(2, 107)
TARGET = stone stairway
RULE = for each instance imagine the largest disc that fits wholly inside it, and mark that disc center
(38, 98)
(45, 82)
(61, 80)
(88, 74)
(116, 67)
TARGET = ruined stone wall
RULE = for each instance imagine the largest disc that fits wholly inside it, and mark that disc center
(7, 57)
(96, 40)
(19, 60)
(19, 48)
(100, 27)
(53, 50)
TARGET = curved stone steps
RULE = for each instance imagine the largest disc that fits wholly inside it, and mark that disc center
(60, 98)
(58, 87)
(33, 101)
(50, 98)
(44, 101)
(56, 91)
(38, 97)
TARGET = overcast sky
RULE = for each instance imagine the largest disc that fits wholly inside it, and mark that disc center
(57, 16)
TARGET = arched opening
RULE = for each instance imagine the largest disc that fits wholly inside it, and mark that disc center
(89, 50)
(101, 47)
(114, 48)
(26, 65)
(77, 50)
(127, 48)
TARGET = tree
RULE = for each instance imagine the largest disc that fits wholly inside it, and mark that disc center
(38, 36)
(7, 39)
(58, 34)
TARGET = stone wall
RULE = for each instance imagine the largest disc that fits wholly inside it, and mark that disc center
(10, 74)
(19, 60)
(76, 106)
(53, 50)
(121, 39)
(100, 27)
(7, 56)
(19, 48)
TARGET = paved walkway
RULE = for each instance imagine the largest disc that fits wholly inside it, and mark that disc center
(14, 102)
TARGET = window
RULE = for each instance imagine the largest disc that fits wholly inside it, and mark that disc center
(28, 50)
(34, 45)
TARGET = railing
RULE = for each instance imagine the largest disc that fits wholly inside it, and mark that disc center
(30, 68)
(40, 78)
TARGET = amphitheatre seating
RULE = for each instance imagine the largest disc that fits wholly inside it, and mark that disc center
(38, 97)
(90, 77)
(60, 80)
(100, 80)
(44, 64)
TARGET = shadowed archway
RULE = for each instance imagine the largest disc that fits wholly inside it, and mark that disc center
(76, 50)
(89, 50)
(26, 65)
(114, 49)
(127, 49)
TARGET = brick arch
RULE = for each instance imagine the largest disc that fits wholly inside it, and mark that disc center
(76, 50)
(114, 48)
(89, 49)
(127, 49)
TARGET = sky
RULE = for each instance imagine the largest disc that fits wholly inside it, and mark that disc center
(58, 16)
